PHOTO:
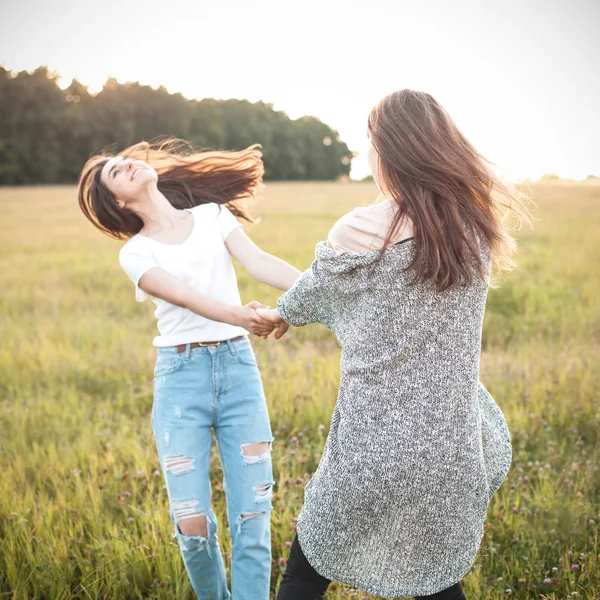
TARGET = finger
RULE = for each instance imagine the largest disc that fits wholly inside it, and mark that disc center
(260, 333)
(268, 314)
(262, 323)
(262, 330)
(281, 330)
(255, 304)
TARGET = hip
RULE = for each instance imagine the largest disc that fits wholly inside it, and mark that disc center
(187, 368)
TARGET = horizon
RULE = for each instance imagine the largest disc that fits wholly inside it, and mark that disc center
(63, 84)
(529, 104)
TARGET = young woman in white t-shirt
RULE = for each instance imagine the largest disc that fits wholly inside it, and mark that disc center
(179, 211)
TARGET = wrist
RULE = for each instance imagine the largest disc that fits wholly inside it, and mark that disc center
(235, 315)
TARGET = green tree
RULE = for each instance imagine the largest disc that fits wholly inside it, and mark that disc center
(46, 134)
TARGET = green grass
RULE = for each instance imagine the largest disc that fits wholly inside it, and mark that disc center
(83, 510)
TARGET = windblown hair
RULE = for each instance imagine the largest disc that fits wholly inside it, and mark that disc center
(186, 177)
(446, 188)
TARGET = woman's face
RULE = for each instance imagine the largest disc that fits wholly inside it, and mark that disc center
(127, 178)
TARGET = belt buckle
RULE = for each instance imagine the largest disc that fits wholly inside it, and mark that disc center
(213, 346)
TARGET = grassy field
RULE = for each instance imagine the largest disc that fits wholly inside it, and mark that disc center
(83, 510)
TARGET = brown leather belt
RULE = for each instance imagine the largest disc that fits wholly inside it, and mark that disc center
(182, 347)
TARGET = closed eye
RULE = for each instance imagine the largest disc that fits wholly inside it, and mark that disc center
(113, 171)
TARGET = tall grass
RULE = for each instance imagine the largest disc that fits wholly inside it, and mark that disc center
(83, 508)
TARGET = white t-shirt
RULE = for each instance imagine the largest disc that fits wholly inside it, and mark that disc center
(203, 261)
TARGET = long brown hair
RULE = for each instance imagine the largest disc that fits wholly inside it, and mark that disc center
(187, 177)
(447, 189)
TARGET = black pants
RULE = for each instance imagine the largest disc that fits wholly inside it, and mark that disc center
(301, 582)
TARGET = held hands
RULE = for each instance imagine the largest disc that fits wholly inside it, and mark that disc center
(261, 320)
(250, 320)
(261, 324)
(272, 316)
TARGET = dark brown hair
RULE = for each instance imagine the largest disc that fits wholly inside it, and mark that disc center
(186, 177)
(447, 189)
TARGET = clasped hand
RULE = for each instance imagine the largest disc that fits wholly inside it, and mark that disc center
(261, 320)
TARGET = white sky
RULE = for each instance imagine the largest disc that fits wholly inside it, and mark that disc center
(520, 77)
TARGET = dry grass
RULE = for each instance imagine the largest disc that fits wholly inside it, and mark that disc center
(83, 511)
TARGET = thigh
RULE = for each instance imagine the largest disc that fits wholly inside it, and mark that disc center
(300, 581)
(244, 435)
(181, 423)
(454, 592)
(242, 403)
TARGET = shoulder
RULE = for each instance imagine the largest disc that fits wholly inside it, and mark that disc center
(219, 216)
(211, 210)
(369, 216)
(134, 247)
(207, 208)
(357, 230)
(343, 230)
(378, 212)
(342, 222)
(131, 245)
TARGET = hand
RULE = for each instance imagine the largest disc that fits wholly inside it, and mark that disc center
(250, 320)
(271, 315)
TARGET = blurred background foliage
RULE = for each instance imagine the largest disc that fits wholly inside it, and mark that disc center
(47, 133)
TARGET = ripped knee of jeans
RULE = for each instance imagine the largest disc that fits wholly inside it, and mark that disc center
(179, 465)
(191, 525)
(245, 517)
(263, 492)
(256, 452)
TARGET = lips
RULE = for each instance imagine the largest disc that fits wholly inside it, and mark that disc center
(135, 173)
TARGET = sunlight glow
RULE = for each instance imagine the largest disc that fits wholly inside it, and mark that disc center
(529, 105)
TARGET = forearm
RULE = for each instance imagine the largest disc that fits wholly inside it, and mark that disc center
(242, 316)
(312, 299)
(213, 309)
(208, 307)
(274, 271)
(158, 283)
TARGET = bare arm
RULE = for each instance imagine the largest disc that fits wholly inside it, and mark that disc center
(159, 283)
(261, 265)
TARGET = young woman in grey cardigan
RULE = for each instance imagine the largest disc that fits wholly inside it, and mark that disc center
(417, 446)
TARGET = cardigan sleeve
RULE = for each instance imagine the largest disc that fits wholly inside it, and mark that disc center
(309, 300)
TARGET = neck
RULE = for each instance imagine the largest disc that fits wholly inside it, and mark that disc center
(156, 212)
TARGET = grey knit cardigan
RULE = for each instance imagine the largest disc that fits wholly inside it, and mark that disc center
(416, 446)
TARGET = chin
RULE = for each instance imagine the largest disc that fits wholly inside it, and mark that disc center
(144, 179)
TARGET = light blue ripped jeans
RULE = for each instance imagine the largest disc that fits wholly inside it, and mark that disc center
(220, 388)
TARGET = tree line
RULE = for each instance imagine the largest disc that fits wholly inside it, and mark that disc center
(47, 133)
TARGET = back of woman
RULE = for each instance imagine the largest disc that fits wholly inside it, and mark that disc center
(404, 479)
(417, 446)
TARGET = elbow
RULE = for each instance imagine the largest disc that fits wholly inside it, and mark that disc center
(289, 316)
(179, 296)
(258, 266)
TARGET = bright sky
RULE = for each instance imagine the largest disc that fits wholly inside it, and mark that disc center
(520, 78)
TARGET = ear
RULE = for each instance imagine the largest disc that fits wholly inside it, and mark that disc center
(121, 203)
